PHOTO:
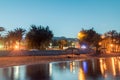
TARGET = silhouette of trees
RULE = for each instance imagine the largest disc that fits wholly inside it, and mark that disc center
(14, 36)
(62, 43)
(39, 37)
(113, 38)
(1, 30)
(1, 37)
(91, 38)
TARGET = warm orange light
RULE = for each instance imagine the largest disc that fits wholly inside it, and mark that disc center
(113, 67)
(103, 36)
(111, 45)
(16, 47)
(81, 35)
(81, 75)
(1, 46)
(100, 43)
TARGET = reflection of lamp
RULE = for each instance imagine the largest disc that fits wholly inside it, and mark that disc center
(50, 69)
(103, 67)
(16, 72)
(113, 67)
(85, 67)
(81, 74)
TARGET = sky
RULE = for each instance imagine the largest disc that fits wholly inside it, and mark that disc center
(64, 17)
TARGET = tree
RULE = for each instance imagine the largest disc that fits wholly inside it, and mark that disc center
(114, 40)
(112, 34)
(55, 42)
(62, 43)
(15, 36)
(91, 38)
(1, 30)
(39, 37)
(19, 33)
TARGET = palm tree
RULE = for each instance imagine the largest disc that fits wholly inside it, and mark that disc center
(19, 34)
(10, 39)
(14, 36)
(1, 30)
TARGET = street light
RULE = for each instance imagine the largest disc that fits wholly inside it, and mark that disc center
(102, 36)
(81, 35)
(111, 45)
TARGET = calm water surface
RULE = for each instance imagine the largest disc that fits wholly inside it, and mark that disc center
(91, 69)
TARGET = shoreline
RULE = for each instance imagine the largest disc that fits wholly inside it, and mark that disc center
(29, 60)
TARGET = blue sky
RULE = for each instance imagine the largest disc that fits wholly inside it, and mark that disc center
(64, 17)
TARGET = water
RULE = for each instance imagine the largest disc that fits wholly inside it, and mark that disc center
(91, 69)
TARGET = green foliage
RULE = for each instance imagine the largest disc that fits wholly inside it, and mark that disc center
(39, 37)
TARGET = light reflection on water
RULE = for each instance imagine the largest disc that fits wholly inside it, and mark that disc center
(91, 69)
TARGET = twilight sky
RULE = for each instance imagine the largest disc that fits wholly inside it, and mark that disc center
(64, 17)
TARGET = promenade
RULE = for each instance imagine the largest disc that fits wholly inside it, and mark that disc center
(25, 57)
(32, 53)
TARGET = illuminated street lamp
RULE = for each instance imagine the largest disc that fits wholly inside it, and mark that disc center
(103, 36)
(81, 35)
(100, 43)
(1, 46)
(111, 45)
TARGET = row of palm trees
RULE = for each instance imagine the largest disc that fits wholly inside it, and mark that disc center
(12, 38)
(38, 37)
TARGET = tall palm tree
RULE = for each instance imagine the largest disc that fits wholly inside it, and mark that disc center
(15, 35)
(19, 34)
